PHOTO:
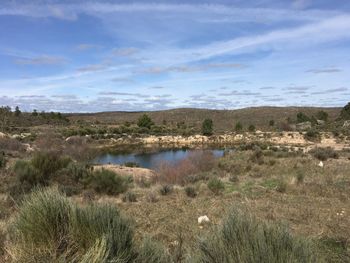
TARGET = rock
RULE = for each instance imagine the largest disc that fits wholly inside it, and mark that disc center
(203, 220)
(2, 135)
(321, 164)
(303, 126)
(346, 124)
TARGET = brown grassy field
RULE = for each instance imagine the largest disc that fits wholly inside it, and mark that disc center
(224, 120)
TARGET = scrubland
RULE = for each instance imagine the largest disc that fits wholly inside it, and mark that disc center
(265, 203)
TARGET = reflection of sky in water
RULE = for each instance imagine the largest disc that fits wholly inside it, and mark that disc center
(150, 160)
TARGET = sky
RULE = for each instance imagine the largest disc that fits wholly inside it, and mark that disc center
(91, 56)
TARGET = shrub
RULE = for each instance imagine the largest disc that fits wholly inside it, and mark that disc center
(324, 154)
(207, 127)
(233, 178)
(312, 135)
(281, 186)
(345, 112)
(166, 189)
(40, 169)
(129, 197)
(108, 182)
(151, 251)
(49, 228)
(242, 238)
(271, 123)
(9, 144)
(145, 121)
(190, 191)
(238, 127)
(183, 171)
(131, 164)
(26, 172)
(216, 185)
(251, 128)
(300, 177)
(2, 161)
(257, 157)
(77, 171)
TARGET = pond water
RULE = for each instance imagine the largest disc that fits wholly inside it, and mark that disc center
(153, 159)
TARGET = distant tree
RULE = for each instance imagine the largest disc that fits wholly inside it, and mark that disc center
(207, 127)
(17, 111)
(272, 123)
(251, 128)
(345, 112)
(238, 127)
(322, 115)
(35, 112)
(145, 121)
(302, 117)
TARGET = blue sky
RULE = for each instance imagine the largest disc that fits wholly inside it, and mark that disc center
(86, 56)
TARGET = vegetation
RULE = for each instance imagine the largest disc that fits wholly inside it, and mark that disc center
(190, 191)
(145, 121)
(216, 185)
(238, 127)
(302, 117)
(251, 128)
(207, 127)
(312, 135)
(108, 182)
(323, 154)
(50, 228)
(242, 238)
(345, 112)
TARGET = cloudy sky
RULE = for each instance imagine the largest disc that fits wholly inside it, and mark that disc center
(84, 56)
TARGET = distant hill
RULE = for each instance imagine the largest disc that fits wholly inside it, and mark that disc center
(224, 120)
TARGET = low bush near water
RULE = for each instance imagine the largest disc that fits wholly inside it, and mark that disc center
(181, 172)
(108, 182)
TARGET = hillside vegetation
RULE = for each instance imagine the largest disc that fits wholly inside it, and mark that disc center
(224, 120)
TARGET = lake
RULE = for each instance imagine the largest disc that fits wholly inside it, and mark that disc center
(152, 159)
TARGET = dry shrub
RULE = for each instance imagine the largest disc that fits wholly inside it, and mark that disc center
(78, 148)
(9, 144)
(180, 172)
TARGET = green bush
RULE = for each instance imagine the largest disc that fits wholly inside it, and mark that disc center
(190, 191)
(77, 171)
(216, 185)
(251, 128)
(312, 135)
(238, 127)
(50, 228)
(151, 251)
(108, 182)
(26, 172)
(207, 127)
(145, 121)
(40, 169)
(2, 161)
(242, 238)
(323, 154)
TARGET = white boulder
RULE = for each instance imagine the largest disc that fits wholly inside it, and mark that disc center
(321, 164)
(203, 220)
